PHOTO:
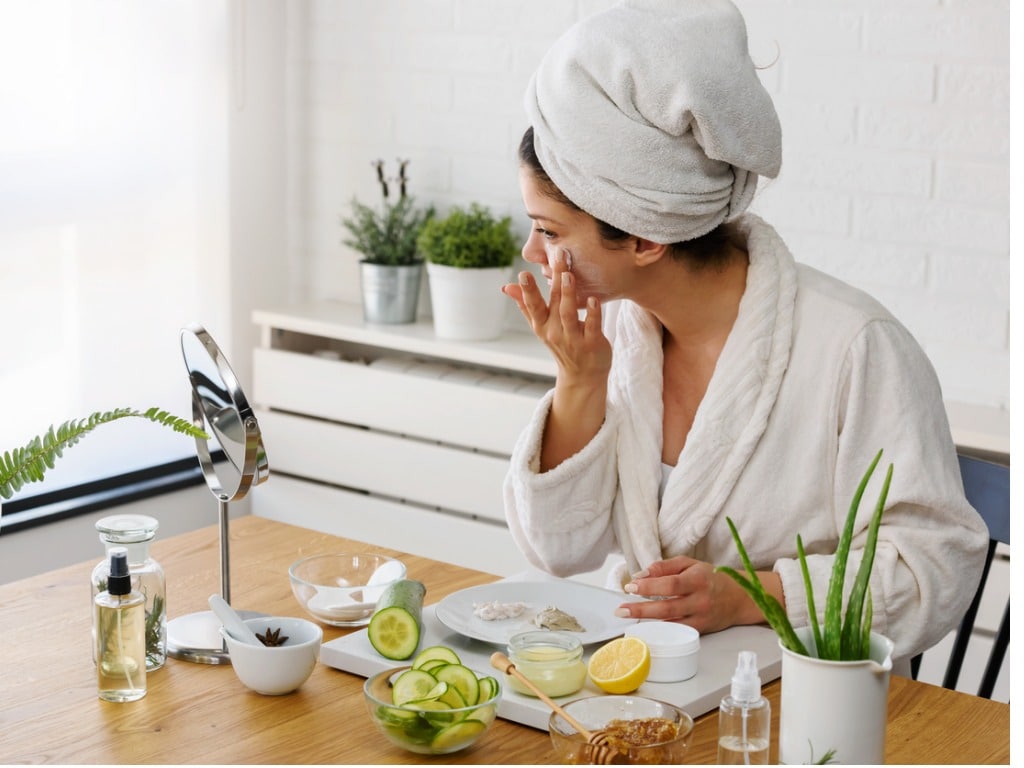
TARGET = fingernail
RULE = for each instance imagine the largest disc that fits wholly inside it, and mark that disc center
(643, 573)
(524, 279)
(503, 289)
(565, 280)
(631, 588)
(622, 613)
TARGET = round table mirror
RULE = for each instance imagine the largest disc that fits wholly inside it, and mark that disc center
(218, 406)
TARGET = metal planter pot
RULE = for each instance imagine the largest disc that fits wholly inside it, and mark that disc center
(390, 293)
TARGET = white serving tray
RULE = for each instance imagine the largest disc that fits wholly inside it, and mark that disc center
(700, 694)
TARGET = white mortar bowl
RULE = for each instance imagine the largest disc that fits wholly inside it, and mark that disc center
(275, 670)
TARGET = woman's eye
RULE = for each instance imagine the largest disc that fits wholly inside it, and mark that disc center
(545, 232)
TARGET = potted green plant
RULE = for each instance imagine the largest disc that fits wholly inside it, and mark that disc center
(29, 463)
(469, 256)
(391, 268)
(837, 672)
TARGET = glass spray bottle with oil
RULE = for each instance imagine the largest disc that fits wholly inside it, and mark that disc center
(120, 621)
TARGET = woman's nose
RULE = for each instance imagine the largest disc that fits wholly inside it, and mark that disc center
(533, 250)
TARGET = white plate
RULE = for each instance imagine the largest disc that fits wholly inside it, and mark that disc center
(593, 608)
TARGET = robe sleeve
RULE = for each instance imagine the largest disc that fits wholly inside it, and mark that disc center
(561, 519)
(931, 542)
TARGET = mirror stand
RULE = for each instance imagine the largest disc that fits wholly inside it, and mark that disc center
(196, 636)
(219, 407)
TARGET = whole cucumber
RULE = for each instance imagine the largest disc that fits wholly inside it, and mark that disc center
(397, 622)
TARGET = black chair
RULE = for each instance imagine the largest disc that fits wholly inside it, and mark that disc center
(987, 487)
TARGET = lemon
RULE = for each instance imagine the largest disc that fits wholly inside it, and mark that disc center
(621, 665)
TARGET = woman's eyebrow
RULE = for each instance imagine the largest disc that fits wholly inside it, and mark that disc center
(540, 217)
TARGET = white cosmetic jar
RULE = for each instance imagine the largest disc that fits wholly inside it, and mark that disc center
(674, 649)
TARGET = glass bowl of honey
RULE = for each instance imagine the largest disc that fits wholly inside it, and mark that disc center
(629, 730)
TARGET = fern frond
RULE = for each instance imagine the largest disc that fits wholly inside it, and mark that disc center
(30, 463)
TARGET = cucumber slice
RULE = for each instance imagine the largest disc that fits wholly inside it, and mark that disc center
(488, 689)
(436, 712)
(485, 714)
(452, 697)
(457, 735)
(411, 685)
(431, 665)
(395, 626)
(433, 653)
(462, 678)
(396, 715)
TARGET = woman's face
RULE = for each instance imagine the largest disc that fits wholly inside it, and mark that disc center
(599, 271)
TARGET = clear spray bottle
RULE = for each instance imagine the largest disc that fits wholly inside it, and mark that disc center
(744, 717)
(120, 621)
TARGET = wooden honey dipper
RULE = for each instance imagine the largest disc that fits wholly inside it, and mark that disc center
(597, 749)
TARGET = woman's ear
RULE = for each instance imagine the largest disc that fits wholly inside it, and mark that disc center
(647, 251)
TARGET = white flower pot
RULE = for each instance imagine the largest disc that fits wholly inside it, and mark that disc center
(834, 705)
(467, 303)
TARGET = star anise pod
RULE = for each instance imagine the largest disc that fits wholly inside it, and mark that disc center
(272, 638)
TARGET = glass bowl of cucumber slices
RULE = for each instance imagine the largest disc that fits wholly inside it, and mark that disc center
(435, 706)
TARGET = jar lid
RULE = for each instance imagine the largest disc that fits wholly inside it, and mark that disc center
(127, 529)
(666, 638)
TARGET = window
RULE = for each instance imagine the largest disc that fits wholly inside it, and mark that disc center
(113, 218)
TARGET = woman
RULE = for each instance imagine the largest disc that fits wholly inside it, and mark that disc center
(710, 375)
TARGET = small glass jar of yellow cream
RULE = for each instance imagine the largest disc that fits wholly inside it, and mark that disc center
(552, 661)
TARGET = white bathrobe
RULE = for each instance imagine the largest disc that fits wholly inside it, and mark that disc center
(813, 380)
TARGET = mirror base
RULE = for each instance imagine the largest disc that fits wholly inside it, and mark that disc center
(196, 637)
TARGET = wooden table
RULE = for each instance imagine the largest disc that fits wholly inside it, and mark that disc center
(197, 713)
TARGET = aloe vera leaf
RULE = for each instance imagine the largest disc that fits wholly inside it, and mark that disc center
(865, 637)
(773, 611)
(812, 612)
(851, 637)
(832, 647)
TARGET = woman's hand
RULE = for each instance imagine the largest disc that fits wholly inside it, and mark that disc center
(692, 592)
(580, 348)
(582, 353)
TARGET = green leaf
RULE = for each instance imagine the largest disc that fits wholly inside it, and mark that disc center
(812, 612)
(832, 638)
(852, 630)
(772, 610)
(865, 638)
(29, 464)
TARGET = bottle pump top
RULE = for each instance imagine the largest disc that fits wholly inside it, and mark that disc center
(746, 683)
(120, 581)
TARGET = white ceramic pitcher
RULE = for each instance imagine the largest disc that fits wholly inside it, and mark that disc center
(834, 705)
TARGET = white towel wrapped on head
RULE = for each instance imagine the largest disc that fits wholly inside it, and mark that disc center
(651, 117)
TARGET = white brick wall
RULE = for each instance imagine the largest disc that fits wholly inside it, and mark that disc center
(895, 129)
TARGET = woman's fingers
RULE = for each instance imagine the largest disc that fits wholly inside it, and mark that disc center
(567, 304)
(533, 301)
(592, 323)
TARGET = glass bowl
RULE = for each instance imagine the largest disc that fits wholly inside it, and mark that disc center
(342, 589)
(437, 730)
(596, 712)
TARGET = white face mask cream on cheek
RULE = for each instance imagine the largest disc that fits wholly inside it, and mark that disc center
(553, 252)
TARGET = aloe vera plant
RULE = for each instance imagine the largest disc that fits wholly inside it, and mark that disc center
(841, 639)
(30, 463)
